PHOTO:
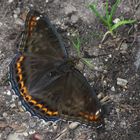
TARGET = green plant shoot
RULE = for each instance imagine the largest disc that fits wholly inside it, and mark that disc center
(77, 45)
(107, 20)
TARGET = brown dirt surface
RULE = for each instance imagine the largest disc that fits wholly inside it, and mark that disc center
(115, 73)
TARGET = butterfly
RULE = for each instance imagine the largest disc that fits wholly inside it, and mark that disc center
(45, 78)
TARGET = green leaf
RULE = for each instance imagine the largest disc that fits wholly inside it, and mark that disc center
(113, 10)
(94, 9)
(120, 23)
(87, 62)
(107, 12)
(77, 45)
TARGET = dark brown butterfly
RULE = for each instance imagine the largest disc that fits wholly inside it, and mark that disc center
(45, 79)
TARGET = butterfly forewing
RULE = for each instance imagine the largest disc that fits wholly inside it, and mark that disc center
(43, 49)
(41, 38)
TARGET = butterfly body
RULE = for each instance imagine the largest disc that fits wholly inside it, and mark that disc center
(45, 79)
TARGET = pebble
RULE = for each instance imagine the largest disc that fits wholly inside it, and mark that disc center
(10, 1)
(37, 136)
(138, 14)
(121, 82)
(55, 126)
(13, 137)
(123, 124)
(1, 23)
(15, 16)
(32, 123)
(137, 62)
(19, 21)
(69, 9)
(17, 11)
(14, 97)
(25, 134)
(113, 88)
(124, 48)
(12, 105)
(73, 125)
(31, 132)
(4, 114)
(74, 18)
(100, 95)
(9, 92)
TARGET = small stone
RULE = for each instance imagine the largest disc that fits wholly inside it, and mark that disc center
(110, 55)
(12, 105)
(100, 95)
(121, 82)
(25, 134)
(31, 132)
(55, 126)
(138, 14)
(1, 23)
(9, 92)
(123, 124)
(104, 82)
(15, 16)
(19, 21)
(69, 9)
(17, 11)
(4, 114)
(137, 62)
(14, 136)
(14, 97)
(124, 48)
(74, 18)
(73, 125)
(10, 1)
(37, 136)
(113, 88)
(32, 123)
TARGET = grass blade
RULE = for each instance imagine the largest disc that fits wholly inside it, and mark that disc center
(94, 9)
(113, 10)
(120, 23)
(88, 62)
(77, 45)
(107, 12)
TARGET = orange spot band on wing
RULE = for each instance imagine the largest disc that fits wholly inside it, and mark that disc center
(19, 70)
(39, 106)
(44, 109)
(24, 90)
(20, 77)
(90, 117)
(33, 101)
(22, 84)
(28, 98)
(18, 65)
(31, 24)
(21, 59)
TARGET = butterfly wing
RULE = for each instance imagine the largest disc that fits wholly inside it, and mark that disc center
(38, 34)
(40, 51)
(71, 95)
(41, 47)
